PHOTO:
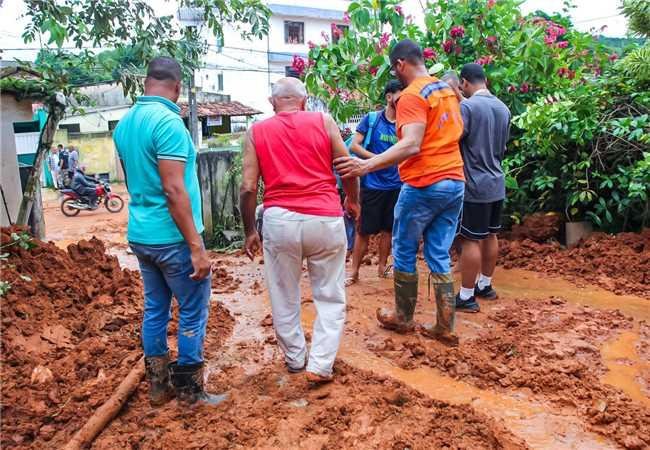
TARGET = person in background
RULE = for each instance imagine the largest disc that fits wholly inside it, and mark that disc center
(53, 165)
(451, 78)
(429, 127)
(486, 127)
(293, 153)
(380, 189)
(85, 186)
(64, 155)
(73, 158)
(159, 161)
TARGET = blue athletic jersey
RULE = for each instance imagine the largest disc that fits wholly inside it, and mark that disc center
(383, 137)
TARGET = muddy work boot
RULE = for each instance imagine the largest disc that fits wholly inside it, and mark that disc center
(406, 295)
(157, 372)
(188, 383)
(443, 330)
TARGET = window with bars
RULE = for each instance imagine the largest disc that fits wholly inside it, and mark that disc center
(294, 32)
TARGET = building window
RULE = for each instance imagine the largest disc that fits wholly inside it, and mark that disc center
(294, 32)
(71, 127)
(112, 124)
(220, 82)
(338, 31)
(289, 71)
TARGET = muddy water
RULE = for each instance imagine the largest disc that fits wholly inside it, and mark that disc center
(517, 283)
(624, 365)
(541, 426)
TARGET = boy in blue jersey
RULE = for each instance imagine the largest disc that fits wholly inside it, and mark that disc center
(380, 189)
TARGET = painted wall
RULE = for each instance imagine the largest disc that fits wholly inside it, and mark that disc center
(97, 152)
(96, 121)
(10, 111)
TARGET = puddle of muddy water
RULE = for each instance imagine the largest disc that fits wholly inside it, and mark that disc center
(624, 366)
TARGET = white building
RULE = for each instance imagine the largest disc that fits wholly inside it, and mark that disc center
(246, 69)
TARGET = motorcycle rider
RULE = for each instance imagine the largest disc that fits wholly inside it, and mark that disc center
(85, 186)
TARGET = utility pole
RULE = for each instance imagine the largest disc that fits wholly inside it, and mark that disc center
(191, 18)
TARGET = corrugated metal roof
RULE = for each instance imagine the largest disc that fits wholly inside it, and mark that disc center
(302, 11)
(209, 109)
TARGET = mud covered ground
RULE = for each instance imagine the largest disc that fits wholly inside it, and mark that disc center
(549, 365)
(619, 263)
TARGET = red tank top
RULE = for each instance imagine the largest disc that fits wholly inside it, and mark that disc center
(295, 158)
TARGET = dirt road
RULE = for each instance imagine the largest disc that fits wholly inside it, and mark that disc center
(547, 366)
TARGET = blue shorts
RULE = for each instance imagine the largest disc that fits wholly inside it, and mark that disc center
(430, 213)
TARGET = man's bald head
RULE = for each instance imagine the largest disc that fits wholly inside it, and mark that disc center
(164, 77)
(288, 94)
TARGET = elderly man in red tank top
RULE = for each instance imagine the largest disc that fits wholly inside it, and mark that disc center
(293, 153)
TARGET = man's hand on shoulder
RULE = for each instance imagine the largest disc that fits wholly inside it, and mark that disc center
(350, 167)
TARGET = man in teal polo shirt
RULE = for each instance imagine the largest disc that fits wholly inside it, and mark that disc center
(159, 162)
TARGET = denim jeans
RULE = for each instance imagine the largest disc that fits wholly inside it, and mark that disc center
(165, 272)
(431, 213)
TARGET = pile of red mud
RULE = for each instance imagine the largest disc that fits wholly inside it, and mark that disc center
(550, 350)
(538, 227)
(619, 263)
(222, 281)
(275, 410)
(70, 334)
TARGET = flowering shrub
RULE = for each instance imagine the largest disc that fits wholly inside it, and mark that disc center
(547, 72)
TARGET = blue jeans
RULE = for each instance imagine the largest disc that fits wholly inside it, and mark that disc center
(431, 213)
(165, 272)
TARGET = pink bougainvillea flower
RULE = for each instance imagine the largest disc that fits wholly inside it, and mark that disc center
(373, 71)
(613, 57)
(336, 31)
(491, 40)
(448, 45)
(485, 60)
(563, 44)
(512, 88)
(311, 63)
(458, 49)
(457, 31)
(311, 45)
(383, 42)
(298, 64)
(491, 3)
(398, 10)
(346, 17)
(429, 53)
(524, 88)
(549, 40)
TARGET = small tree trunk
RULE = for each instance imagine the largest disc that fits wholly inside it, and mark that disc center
(46, 138)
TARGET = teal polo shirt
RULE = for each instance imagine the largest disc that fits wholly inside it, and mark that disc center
(153, 130)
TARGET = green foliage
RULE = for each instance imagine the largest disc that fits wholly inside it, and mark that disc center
(638, 15)
(579, 142)
(22, 240)
(135, 32)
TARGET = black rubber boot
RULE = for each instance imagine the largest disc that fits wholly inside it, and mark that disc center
(406, 296)
(157, 371)
(443, 331)
(188, 383)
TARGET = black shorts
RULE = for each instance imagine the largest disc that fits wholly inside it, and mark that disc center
(479, 220)
(377, 210)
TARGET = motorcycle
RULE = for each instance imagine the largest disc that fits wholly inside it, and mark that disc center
(73, 203)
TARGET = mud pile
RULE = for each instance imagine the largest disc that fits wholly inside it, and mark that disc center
(275, 410)
(70, 334)
(222, 281)
(551, 350)
(619, 263)
(538, 227)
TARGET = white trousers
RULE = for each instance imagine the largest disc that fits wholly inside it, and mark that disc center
(289, 238)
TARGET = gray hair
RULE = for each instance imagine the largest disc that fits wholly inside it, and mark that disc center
(289, 87)
(451, 75)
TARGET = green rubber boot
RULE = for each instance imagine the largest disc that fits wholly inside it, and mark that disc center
(406, 295)
(443, 331)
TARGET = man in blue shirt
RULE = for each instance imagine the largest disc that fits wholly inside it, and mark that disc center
(159, 161)
(380, 189)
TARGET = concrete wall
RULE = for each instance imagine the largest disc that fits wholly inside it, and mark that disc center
(97, 152)
(10, 111)
(96, 121)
